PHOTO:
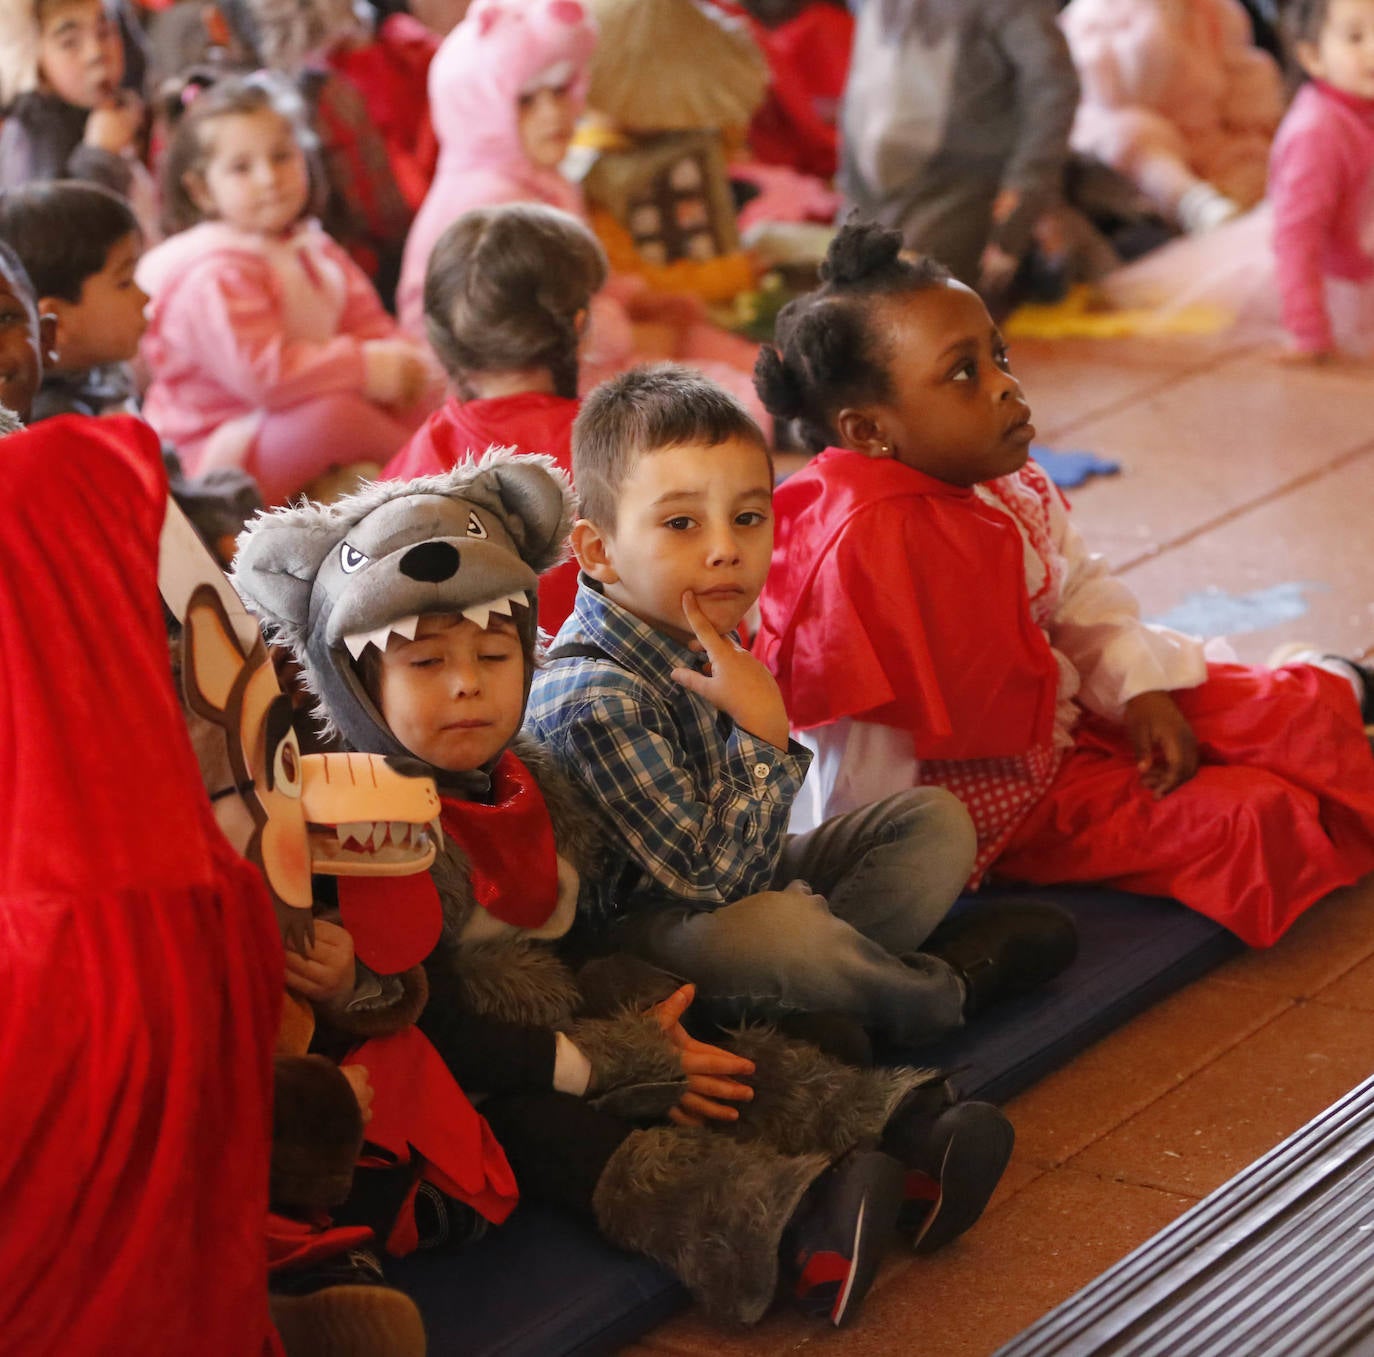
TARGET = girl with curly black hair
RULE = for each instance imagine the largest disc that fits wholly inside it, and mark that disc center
(933, 618)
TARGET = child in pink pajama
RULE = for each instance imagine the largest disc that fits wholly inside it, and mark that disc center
(269, 347)
(1321, 183)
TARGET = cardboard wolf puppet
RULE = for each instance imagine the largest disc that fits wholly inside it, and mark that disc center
(579, 1073)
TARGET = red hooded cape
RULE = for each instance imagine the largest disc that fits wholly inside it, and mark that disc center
(462, 430)
(854, 624)
(140, 965)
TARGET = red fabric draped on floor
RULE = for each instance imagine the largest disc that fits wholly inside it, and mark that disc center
(1280, 812)
(140, 966)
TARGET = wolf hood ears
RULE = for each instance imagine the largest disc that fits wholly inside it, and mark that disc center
(328, 580)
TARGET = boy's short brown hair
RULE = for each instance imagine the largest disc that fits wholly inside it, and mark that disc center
(643, 411)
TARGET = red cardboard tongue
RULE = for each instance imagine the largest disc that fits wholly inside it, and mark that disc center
(394, 920)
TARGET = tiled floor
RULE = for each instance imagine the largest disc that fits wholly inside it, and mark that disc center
(1247, 491)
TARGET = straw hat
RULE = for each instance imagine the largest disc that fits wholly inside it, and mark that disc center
(674, 66)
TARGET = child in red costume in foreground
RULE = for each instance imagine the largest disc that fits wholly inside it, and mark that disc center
(932, 617)
(140, 963)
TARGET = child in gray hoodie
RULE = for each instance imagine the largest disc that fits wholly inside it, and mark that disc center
(955, 126)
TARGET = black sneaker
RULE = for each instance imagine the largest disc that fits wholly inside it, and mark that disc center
(955, 1154)
(838, 1237)
(1004, 949)
(1366, 673)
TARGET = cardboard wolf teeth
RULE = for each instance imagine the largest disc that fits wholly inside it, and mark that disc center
(276, 806)
(330, 580)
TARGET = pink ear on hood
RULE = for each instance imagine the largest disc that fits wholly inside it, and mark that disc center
(501, 48)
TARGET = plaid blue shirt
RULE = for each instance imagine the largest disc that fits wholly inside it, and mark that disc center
(696, 804)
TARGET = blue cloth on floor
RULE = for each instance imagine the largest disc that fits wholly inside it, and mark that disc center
(1068, 469)
(542, 1286)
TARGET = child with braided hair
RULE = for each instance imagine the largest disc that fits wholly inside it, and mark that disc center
(507, 294)
(932, 617)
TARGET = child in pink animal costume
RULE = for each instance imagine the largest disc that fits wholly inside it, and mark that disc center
(1322, 184)
(1176, 97)
(505, 89)
(268, 345)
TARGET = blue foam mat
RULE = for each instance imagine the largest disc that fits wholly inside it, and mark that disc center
(541, 1286)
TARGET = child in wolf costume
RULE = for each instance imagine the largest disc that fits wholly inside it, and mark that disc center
(411, 607)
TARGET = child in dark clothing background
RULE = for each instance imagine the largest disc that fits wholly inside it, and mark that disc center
(955, 126)
(80, 244)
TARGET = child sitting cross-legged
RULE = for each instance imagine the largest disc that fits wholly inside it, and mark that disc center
(268, 345)
(411, 608)
(680, 737)
(935, 620)
(80, 244)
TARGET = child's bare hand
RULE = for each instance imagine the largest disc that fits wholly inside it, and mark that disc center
(362, 1088)
(733, 680)
(1004, 205)
(1165, 746)
(416, 379)
(709, 1069)
(327, 973)
(394, 372)
(114, 124)
(996, 269)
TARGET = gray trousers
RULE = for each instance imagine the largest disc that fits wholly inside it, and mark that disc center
(841, 931)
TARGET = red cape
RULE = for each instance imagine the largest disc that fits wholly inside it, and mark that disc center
(901, 600)
(140, 964)
(391, 73)
(808, 61)
(528, 422)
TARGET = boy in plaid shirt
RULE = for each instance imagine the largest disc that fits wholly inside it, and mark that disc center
(681, 739)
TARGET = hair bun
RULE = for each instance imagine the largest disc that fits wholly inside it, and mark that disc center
(860, 250)
(777, 385)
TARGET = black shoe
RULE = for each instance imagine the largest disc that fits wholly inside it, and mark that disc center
(837, 1238)
(1004, 949)
(342, 1307)
(1366, 674)
(955, 1154)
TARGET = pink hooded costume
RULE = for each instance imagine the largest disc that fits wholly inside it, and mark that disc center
(259, 355)
(501, 49)
(1176, 97)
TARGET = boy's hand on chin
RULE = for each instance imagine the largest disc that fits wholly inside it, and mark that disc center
(733, 680)
(115, 123)
(709, 1069)
(1165, 746)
